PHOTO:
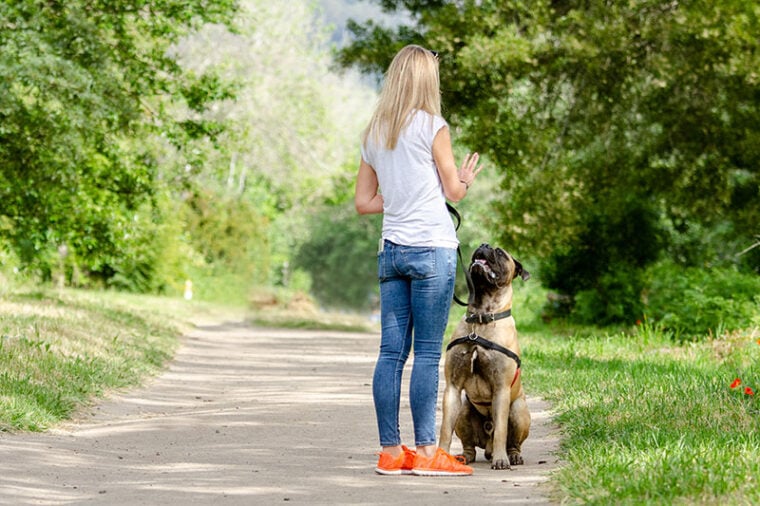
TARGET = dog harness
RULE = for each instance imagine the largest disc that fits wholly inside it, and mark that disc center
(485, 343)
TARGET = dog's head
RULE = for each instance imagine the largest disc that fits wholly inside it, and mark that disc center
(493, 268)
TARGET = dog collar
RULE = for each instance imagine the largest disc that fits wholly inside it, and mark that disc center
(487, 317)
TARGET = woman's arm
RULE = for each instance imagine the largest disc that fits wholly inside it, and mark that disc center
(455, 181)
(366, 198)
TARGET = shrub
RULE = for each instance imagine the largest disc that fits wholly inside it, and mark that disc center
(601, 269)
(615, 298)
(340, 256)
(694, 302)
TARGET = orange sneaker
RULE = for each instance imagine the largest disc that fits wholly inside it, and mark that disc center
(388, 464)
(440, 464)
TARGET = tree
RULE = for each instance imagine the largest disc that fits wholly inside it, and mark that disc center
(623, 130)
(290, 143)
(80, 82)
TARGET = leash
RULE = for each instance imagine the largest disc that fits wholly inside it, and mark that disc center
(467, 277)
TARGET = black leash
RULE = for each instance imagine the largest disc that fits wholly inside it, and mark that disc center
(470, 290)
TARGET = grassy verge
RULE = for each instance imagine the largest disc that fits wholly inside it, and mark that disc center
(646, 421)
(60, 350)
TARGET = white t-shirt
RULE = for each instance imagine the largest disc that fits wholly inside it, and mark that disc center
(414, 205)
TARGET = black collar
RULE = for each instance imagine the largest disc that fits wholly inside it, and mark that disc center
(487, 317)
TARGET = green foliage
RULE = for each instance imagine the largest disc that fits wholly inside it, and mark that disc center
(340, 254)
(289, 144)
(695, 301)
(78, 81)
(154, 258)
(115, 169)
(229, 241)
(587, 108)
(602, 267)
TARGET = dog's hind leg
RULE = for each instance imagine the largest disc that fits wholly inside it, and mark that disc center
(488, 430)
(466, 429)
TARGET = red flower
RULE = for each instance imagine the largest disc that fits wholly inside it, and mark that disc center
(749, 391)
(736, 383)
(638, 322)
(758, 341)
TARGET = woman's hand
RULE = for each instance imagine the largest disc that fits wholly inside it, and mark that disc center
(469, 169)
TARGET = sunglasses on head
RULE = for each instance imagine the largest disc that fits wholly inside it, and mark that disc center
(434, 53)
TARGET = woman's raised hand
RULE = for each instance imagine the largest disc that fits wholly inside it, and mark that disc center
(469, 169)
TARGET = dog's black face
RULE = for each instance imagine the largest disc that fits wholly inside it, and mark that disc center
(494, 268)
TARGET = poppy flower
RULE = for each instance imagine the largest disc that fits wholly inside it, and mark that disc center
(736, 383)
(749, 391)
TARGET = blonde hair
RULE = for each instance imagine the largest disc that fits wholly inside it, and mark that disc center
(411, 82)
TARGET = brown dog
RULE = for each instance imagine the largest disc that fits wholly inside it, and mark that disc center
(483, 362)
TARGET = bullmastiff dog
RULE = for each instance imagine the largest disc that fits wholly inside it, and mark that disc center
(483, 363)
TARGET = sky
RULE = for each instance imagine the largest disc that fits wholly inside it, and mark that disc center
(337, 12)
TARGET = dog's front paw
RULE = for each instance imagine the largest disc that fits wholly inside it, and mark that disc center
(516, 459)
(500, 464)
(468, 455)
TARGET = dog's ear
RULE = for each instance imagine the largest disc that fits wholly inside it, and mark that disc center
(520, 271)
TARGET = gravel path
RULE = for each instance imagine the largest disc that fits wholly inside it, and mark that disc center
(247, 415)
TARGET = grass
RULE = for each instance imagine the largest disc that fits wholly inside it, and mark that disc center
(279, 308)
(644, 420)
(61, 350)
(644, 423)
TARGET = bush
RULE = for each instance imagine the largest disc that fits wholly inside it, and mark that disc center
(340, 256)
(615, 298)
(228, 238)
(694, 302)
(601, 269)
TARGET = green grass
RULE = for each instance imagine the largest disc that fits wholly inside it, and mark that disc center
(647, 423)
(61, 350)
(644, 420)
(295, 310)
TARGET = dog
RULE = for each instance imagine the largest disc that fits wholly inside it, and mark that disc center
(482, 361)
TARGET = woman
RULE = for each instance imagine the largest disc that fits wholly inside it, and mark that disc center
(407, 172)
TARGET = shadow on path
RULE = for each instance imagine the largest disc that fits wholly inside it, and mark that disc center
(247, 415)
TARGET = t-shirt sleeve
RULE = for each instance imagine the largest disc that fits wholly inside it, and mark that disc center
(438, 123)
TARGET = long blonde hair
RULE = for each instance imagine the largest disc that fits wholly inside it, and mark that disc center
(411, 82)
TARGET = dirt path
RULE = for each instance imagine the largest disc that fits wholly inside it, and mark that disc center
(251, 416)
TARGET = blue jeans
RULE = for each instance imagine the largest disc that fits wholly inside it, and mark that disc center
(416, 289)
